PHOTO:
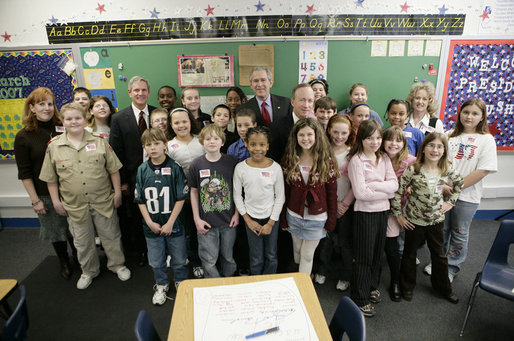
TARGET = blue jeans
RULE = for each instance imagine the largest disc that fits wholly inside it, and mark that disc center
(456, 233)
(210, 245)
(157, 257)
(263, 250)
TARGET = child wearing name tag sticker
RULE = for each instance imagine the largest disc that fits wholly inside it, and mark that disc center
(215, 216)
(82, 175)
(425, 213)
(161, 190)
(373, 183)
(262, 181)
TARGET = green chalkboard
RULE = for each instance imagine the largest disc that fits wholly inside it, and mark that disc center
(349, 62)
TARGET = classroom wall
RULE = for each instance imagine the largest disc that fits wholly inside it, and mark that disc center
(22, 26)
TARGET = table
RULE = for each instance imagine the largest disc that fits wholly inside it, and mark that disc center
(182, 319)
(7, 287)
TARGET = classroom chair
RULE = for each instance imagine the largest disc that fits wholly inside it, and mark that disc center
(348, 319)
(497, 276)
(144, 328)
(15, 329)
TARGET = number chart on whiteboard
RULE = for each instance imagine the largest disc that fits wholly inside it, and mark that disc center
(313, 60)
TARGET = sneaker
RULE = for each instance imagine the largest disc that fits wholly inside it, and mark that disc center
(198, 272)
(368, 310)
(168, 261)
(342, 285)
(84, 281)
(417, 261)
(159, 297)
(374, 296)
(320, 279)
(428, 269)
(123, 273)
(451, 277)
(244, 272)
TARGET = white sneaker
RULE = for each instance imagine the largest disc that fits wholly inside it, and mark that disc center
(451, 277)
(320, 279)
(198, 272)
(159, 297)
(168, 261)
(428, 269)
(342, 285)
(417, 261)
(123, 273)
(84, 281)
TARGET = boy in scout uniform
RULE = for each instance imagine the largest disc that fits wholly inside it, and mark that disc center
(82, 174)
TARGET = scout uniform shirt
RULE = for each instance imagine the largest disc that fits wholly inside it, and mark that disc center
(83, 174)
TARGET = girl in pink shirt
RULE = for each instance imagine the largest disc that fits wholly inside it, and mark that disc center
(373, 183)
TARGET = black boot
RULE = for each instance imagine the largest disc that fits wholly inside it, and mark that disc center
(62, 253)
(394, 292)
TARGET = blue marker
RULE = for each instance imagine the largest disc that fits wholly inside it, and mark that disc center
(263, 332)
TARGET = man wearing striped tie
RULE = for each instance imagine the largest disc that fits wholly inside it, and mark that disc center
(126, 128)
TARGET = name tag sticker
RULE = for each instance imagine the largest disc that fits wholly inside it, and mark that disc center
(90, 147)
(408, 134)
(430, 129)
(166, 171)
(205, 173)
(59, 129)
(368, 167)
(306, 169)
(439, 189)
(266, 174)
(471, 139)
(174, 146)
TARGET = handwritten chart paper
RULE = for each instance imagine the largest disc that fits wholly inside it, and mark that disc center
(231, 312)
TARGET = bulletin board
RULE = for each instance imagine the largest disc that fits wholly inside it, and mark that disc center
(20, 73)
(484, 69)
(349, 62)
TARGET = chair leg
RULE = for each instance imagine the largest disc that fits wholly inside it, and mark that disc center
(471, 300)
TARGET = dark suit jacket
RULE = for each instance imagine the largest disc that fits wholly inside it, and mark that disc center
(125, 139)
(280, 131)
(281, 107)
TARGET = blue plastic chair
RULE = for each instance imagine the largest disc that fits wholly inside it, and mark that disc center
(348, 319)
(144, 328)
(15, 328)
(497, 276)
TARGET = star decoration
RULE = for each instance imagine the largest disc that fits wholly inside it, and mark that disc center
(493, 129)
(310, 9)
(7, 37)
(359, 3)
(100, 8)
(404, 7)
(154, 13)
(209, 10)
(53, 21)
(442, 10)
(485, 15)
(260, 6)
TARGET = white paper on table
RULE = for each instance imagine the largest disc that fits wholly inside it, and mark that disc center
(231, 312)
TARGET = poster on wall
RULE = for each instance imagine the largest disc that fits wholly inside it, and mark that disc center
(98, 72)
(482, 68)
(205, 71)
(20, 73)
(313, 60)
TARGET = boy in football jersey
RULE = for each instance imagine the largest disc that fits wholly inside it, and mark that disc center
(210, 178)
(161, 190)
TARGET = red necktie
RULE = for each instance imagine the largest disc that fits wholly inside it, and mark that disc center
(265, 114)
(141, 123)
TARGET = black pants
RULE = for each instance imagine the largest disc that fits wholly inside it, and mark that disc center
(413, 239)
(344, 229)
(241, 250)
(131, 225)
(369, 235)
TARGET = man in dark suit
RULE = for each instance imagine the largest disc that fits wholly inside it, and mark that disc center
(125, 138)
(302, 103)
(267, 107)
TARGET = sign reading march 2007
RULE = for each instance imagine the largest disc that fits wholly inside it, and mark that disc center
(257, 26)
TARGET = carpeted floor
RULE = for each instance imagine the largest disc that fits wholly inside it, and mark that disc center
(108, 308)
